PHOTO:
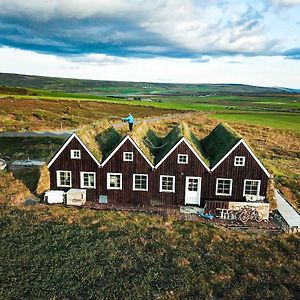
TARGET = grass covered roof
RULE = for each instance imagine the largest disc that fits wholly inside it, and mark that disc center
(161, 146)
(219, 142)
(88, 135)
(101, 139)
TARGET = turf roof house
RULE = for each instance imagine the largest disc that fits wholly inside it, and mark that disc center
(180, 168)
(144, 169)
(236, 174)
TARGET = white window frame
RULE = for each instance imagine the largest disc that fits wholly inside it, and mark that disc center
(126, 159)
(108, 181)
(183, 155)
(258, 187)
(58, 183)
(82, 180)
(73, 156)
(160, 184)
(243, 161)
(230, 188)
(133, 183)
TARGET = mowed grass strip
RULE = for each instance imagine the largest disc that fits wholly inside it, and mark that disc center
(65, 253)
(275, 120)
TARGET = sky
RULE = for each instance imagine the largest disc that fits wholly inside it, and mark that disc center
(188, 41)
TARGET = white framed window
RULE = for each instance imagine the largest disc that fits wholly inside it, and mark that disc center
(167, 184)
(251, 187)
(182, 158)
(140, 182)
(75, 154)
(223, 187)
(64, 178)
(88, 180)
(239, 161)
(114, 181)
(127, 156)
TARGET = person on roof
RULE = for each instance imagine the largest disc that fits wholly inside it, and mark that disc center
(130, 121)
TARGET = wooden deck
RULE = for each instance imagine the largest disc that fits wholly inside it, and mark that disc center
(174, 212)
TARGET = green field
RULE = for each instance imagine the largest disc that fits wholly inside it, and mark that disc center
(275, 120)
(263, 106)
(65, 253)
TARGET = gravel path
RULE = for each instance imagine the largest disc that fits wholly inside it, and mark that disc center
(66, 133)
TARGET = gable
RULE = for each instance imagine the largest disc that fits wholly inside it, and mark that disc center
(72, 142)
(127, 139)
(240, 149)
(191, 149)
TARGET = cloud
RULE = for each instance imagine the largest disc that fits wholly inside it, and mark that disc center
(293, 53)
(172, 28)
(285, 2)
(276, 71)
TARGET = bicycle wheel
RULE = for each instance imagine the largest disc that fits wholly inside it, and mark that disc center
(259, 217)
(244, 217)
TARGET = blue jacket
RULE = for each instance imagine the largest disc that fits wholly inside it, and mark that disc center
(129, 119)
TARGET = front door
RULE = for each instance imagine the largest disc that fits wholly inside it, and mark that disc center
(192, 190)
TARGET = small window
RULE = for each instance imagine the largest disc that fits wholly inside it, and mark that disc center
(114, 181)
(64, 179)
(239, 161)
(127, 156)
(182, 159)
(251, 187)
(223, 187)
(167, 184)
(88, 180)
(75, 154)
(140, 182)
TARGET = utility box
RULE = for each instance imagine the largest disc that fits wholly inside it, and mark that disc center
(103, 199)
(76, 197)
(54, 197)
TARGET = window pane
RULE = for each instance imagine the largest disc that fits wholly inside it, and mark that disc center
(65, 178)
(182, 158)
(140, 182)
(115, 181)
(167, 183)
(223, 186)
(88, 180)
(193, 185)
(251, 187)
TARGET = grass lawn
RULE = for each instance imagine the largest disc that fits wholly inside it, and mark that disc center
(64, 253)
(275, 120)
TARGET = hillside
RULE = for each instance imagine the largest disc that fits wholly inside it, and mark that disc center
(100, 87)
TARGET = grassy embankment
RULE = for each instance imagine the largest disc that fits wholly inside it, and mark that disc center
(64, 253)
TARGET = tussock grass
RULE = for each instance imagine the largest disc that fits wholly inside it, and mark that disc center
(44, 180)
(12, 191)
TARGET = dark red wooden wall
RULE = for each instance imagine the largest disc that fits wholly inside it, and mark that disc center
(65, 163)
(180, 171)
(226, 169)
(138, 166)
